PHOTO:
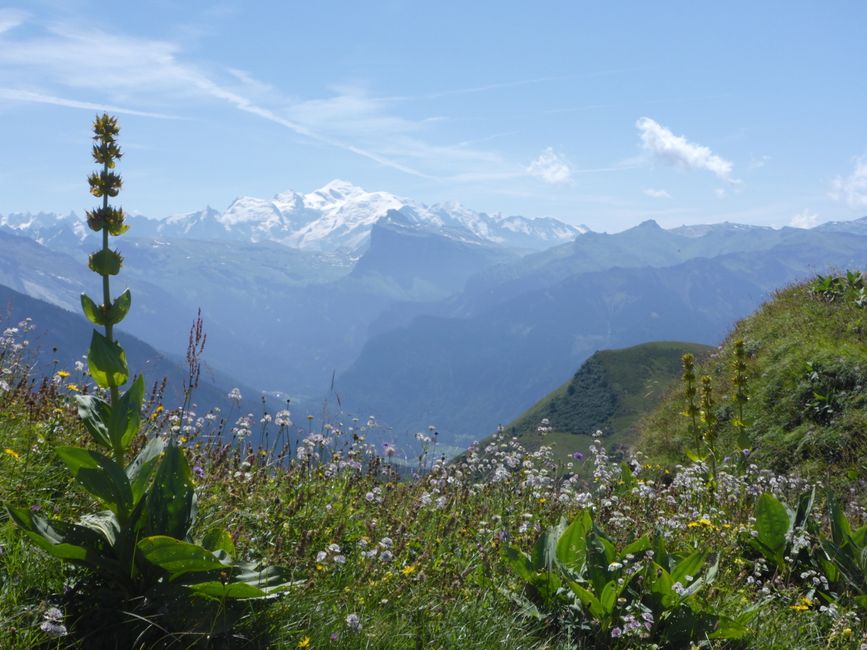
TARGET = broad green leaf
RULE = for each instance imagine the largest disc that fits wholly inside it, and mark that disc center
(638, 546)
(124, 419)
(689, 566)
(841, 532)
(105, 523)
(730, 629)
(77, 544)
(269, 578)
(859, 536)
(608, 598)
(600, 554)
(572, 546)
(219, 539)
(805, 506)
(519, 563)
(105, 262)
(106, 361)
(91, 310)
(140, 470)
(661, 584)
(227, 591)
(772, 524)
(547, 583)
(861, 601)
(120, 307)
(545, 550)
(169, 506)
(588, 599)
(100, 476)
(694, 456)
(177, 557)
(94, 413)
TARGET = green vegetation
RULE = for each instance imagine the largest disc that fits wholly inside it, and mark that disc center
(610, 393)
(804, 407)
(506, 547)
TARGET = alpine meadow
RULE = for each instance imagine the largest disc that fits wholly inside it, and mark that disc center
(346, 418)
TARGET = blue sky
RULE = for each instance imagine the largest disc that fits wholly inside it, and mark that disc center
(597, 113)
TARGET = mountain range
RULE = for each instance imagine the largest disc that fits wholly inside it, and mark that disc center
(417, 314)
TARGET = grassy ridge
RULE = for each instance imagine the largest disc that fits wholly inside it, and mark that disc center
(610, 392)
(807, 373)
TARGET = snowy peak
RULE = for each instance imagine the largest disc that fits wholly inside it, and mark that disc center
(338, 216)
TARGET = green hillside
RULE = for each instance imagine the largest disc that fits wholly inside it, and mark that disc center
(609, 393)
(807, 372)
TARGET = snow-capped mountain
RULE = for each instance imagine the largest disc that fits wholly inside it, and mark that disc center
(340, 215)
(336, 217)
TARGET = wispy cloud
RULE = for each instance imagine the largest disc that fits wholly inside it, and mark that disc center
(804, 219)
(677, 150)
(551, 167)
(852, 189)
(657, 194)
(15, 95)
(11, 18)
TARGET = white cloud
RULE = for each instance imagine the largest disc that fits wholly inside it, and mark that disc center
(677, 150)
(852, 189)
(720, 192)
(12, 94)
(551, 168)
(10, 19)
(657, 194)
(758, 162)
(804, 219)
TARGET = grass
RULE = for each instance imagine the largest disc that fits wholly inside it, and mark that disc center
(807, 368)
(377, 559)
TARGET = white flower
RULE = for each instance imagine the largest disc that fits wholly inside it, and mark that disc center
(353, 622)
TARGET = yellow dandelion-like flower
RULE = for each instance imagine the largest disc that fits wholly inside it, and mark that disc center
(63, 374)
(304, 642)
(408, 570)
(13, 453)
(73, 387)
(320, 567)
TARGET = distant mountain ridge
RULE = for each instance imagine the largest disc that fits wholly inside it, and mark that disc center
(336, 217)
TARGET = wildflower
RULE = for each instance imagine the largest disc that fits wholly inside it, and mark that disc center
(802, 605)
(408, 570)
(53, 624)
(304, 642)
(235, 395)
(577, 456)
(13, 453)
(63, 374)
(73, 387)
(198, 471)
(616, 633)
(353, 622)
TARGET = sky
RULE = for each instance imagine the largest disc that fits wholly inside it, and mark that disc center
(604, 114)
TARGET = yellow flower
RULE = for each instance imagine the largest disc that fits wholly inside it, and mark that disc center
(12, 453)
(304, 642)
(802, 605)
(62, 374)
(320, 567)
(73, 387)
(408, 570)
(701, 522)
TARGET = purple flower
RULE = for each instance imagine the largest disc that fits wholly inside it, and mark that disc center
(198, 471)
(577, 456)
